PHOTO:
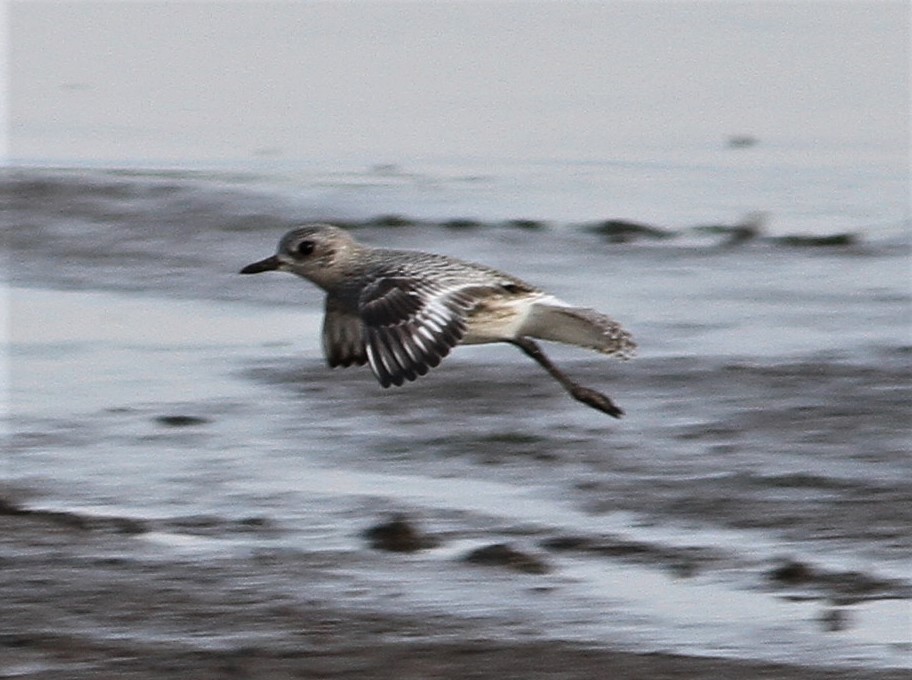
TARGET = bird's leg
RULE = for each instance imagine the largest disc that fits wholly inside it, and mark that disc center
(588, 396)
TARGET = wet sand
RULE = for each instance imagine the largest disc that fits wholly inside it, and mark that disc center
(89, 599)
(195, 505)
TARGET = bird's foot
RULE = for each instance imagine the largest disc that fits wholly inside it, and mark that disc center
(596, 400)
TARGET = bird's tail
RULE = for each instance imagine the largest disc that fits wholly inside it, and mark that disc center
(558, 322)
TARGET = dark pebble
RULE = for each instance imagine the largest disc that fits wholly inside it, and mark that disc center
(502, 555)
(623, 231)
(528, 225)
(792, 573)
(741, 141)
(461, 224)
(181, 421)
(397, 535)
(830, 241)
(834, 620)
(734, 235)
(389, 221)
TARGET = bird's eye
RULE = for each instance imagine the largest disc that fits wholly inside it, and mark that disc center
(305, 248)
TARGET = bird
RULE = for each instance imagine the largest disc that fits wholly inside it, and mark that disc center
(402, 311)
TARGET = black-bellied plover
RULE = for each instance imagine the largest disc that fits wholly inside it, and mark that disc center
(401, 311)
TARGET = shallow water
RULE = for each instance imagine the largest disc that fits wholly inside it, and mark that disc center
(767, 423)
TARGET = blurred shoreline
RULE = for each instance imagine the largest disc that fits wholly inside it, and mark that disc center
(110, 606)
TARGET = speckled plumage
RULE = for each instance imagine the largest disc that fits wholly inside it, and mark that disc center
(402, 312)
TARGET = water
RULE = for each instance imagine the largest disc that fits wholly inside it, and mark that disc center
(753, 504)
(767, 420)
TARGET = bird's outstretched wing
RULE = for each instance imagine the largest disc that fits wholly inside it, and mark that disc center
(343, 337)
(409, 324)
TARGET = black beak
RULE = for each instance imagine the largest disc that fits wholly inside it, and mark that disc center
(267, 265)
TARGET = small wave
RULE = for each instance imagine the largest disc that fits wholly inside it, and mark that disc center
(71, 520)
(802, 579)
(211, 526)
(188, 202)
(680, 560)
(217, 526)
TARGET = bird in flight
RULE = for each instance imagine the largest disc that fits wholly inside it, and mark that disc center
(401, 311)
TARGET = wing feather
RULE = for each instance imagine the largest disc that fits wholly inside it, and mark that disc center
(343, 342)
(412, 324)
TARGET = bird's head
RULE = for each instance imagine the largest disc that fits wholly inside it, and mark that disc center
(318, 252)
